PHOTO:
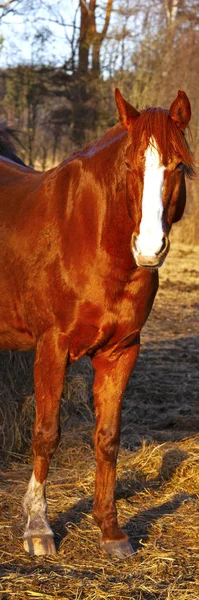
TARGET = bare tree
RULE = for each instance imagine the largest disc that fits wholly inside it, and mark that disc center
(85, 104)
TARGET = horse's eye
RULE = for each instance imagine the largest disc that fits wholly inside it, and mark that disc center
(128, 166)
(179, 167)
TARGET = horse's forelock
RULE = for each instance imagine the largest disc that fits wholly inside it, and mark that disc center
(155, 123)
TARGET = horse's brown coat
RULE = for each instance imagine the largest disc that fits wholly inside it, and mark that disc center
(70, 285)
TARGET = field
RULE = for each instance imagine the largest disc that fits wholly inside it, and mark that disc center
(158, 475)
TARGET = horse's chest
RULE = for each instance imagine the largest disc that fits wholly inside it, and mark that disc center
(96, 326)
(113, 321)
(91, 329)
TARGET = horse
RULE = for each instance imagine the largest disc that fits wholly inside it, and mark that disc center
(81, 245)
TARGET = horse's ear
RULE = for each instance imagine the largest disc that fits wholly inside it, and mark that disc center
(180, 110)
(126, 111)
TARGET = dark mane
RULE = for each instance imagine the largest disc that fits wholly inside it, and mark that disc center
(170, 139)
(7, 148)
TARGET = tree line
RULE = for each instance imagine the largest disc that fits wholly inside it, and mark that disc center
(148, 49)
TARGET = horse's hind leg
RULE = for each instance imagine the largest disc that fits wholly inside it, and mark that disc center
(49, 372)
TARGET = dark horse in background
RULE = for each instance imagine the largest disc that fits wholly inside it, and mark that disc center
(80, 247)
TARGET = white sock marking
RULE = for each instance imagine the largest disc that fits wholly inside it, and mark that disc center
(151, 233)
(34, 500)
(34, 505)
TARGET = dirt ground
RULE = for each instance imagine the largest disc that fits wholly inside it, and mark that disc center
(158, 475)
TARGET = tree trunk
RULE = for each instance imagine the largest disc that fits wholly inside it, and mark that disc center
(85, 112)
(172, 7)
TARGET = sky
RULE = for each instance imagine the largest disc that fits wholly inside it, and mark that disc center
(39, 32)
(22, 39)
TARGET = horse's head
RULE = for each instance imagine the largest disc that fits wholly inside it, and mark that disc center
(157, 159)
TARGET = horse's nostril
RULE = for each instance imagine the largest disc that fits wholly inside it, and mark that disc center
(134, 244)
(164, 245)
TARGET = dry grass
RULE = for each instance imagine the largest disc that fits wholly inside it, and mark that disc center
(158, 480)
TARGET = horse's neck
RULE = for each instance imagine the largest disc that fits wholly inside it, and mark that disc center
(99, 176)
(109, 160)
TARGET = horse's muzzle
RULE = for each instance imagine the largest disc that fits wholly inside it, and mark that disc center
(153, 261)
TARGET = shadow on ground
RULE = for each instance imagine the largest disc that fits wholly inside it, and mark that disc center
(139, 526)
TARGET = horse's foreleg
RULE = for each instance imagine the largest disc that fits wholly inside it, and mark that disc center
(110, 382)
(49, 372)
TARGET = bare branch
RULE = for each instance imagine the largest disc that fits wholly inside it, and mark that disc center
(107, 18)
(6, 4)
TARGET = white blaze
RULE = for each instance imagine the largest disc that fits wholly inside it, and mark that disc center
(149, 241)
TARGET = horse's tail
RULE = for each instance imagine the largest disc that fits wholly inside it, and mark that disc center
(7, 148)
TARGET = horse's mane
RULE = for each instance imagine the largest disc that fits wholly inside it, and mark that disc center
(109, 137)
(156, 122)
(7, 147)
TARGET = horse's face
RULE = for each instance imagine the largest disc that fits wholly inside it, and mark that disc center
(156, 160)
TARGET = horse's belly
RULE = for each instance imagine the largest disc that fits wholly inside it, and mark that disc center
(14, 332)
(16, 339)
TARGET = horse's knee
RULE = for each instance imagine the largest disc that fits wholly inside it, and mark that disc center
(107, 443)
(45, 441)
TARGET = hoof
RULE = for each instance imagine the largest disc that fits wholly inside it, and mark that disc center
(118, 548)
(39, 545)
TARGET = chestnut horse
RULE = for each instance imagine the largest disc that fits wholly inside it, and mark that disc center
(80, 249)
